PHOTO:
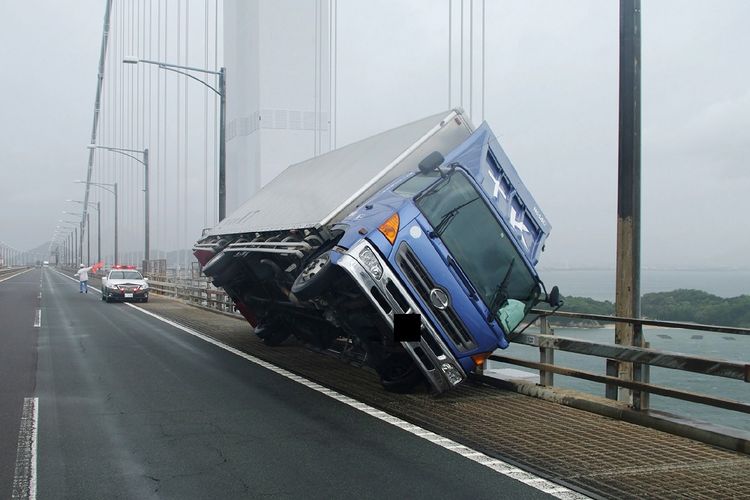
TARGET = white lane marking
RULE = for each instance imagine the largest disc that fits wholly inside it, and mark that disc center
(504, 468)
(38, 319)
(496, 465)
(17, 274)
(73, 279)
(24, 479)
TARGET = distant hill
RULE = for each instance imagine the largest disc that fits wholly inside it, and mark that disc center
(39, 253)
(693, 306)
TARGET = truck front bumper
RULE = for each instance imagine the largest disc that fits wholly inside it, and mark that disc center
(389, 297)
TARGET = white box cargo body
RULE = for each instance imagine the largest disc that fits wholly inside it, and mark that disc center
(324, 189)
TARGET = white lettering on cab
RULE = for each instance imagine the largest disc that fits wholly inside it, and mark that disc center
(498, 187)
(516, 222)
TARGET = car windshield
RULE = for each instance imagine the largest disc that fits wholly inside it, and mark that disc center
(459, 215)
(125, 275)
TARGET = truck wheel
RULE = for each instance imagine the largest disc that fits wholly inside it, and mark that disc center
(218, 264)
(399, 374)
(272, 333)
(314, 278)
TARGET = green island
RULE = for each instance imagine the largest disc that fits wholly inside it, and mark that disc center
(693, 306)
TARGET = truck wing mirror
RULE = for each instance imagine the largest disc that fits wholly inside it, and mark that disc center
(553, 297)
(431, 162)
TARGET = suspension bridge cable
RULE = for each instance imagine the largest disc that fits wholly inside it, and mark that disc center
(205, 116)
(97, 106)
(484, 46)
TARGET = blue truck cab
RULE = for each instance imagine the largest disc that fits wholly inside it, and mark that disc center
(411, 251)
(456, 245)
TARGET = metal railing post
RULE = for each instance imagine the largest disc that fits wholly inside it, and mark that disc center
(546, 354)
(641, 372)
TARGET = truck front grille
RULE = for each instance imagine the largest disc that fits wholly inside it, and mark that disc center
(423, 283)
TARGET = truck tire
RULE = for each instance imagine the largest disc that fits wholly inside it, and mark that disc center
(399, 373)
(272, 333)
(218, 264)
(315, 277)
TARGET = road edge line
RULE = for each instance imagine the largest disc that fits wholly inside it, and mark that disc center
(499, 466)
(24, 478)
(17, 274)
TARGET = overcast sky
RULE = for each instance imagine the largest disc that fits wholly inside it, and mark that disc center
(551, 98)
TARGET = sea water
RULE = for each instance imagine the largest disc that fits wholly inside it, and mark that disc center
(600, 285)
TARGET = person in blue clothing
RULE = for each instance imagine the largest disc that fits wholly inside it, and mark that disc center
(83, 278)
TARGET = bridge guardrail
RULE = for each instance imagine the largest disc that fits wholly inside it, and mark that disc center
(200, 292)
(641, 357)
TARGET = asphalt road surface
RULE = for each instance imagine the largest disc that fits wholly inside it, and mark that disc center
(131, 407)
(19, 301)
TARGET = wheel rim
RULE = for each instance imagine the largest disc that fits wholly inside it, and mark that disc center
(313, 268)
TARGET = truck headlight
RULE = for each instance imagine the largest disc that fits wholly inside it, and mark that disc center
(368, 259)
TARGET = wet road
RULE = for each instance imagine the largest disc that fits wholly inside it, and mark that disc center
(131, 407)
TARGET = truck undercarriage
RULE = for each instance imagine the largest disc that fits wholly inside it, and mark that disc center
(285, 285)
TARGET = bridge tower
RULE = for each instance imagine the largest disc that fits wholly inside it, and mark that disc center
(278, 59)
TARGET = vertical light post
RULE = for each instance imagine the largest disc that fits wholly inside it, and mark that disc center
(144, 153)
(221, 91)
(88, 233)
(106, 187)
(68, 227)
(73, 249)
(96, 206)
(628, 270)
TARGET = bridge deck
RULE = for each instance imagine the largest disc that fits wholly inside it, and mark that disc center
(597, 454)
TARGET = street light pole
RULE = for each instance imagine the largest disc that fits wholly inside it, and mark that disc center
(147, 236)
(97, 207)
(72, 229)
(144, 162)
(98, 231)
(106, 187)
(222, 93)
(222, 145)
(88, 236)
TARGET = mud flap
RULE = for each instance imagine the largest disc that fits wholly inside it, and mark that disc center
(406, 327)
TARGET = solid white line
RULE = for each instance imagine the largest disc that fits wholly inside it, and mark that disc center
(496, 465)
(38, 319)
(17, 274)
(73, 279)
(24, 479)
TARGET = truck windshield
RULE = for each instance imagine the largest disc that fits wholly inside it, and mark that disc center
(477, 241)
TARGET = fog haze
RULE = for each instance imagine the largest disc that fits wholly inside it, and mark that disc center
(551, 98)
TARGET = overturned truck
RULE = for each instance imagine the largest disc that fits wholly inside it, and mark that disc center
(411, 251)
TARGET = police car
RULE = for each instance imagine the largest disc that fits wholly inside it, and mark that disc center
(124, 283)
